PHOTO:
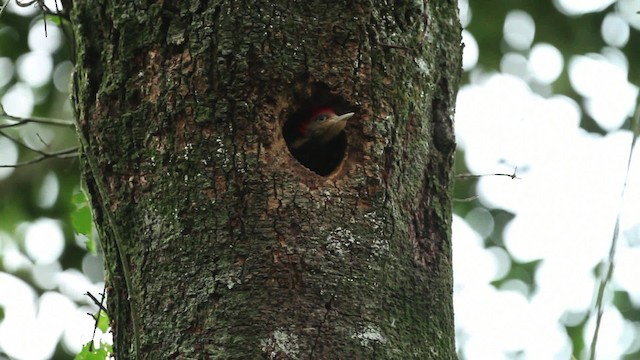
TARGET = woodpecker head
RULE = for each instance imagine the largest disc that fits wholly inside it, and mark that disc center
(321, 126)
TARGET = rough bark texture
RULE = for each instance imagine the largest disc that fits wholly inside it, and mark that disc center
(218, 243)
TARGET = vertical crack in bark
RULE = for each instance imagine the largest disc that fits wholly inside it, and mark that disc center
(328, 307)
(427, 231)
(441, 117)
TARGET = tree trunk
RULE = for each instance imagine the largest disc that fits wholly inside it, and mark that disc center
(219, 243)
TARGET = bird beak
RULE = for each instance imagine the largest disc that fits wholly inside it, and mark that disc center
(343, 118)
(334, 125)
(339, 122)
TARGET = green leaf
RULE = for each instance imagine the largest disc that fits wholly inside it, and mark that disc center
(56, 19)
(100, 353)
(81, 215)
(104, 350)
(88, 243)
(81, 219)
(103, 321)
(1, 313)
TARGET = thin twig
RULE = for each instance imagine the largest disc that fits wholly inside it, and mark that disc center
(37, 120)
(42, 140)
(25, 4)
(468, 199)
(95, 300)
(45, 11)
(100, 308)
(31, 2)
(472, 176)
(62, 154)
(22, 144)
(19, 121)
(4, 6)
(610, 263)
(475, 176)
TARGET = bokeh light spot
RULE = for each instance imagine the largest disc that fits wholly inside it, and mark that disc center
(545, 62)
(519, 29)
(615, 31)
(6, 71)
(48, 191)
(470, 52)
(35, 68)
(44, 241)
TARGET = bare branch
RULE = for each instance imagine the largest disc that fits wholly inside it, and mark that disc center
(62, 154)
(22, 144)
(66, 153)
(100, 303)
(467, 199)
(37, 120)
(25, 4)
(100, 308)
(4, 6)
(472, 176)
(40, 3)
(42, 140)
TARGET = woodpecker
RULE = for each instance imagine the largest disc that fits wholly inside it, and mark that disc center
(322, 126)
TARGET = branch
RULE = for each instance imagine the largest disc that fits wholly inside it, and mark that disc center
(22, 144)
(473, 176)
(97, 316)
(62, 154)
(468, 199)
(37, 120)
(66, 153)
(40, 3)
(100, 303)
(4, 6)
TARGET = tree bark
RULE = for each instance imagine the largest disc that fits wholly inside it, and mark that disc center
(219, 244)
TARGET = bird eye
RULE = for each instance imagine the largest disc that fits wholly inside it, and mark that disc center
(322, 117)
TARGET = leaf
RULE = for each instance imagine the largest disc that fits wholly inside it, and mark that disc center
(88, 243)
(82, 220)
(103, 321)
(56, 19)
(99, 353)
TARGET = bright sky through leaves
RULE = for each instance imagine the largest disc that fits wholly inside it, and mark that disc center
(565, 204)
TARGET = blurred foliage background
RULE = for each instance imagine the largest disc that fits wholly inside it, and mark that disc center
(45, 268)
